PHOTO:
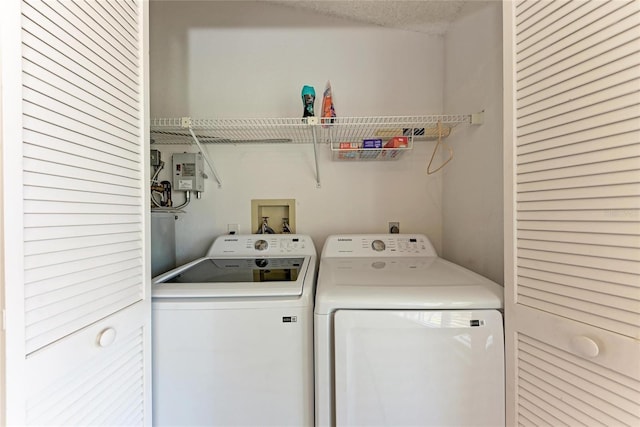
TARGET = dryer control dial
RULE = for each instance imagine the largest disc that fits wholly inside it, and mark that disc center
(378, 245)
(261, 245)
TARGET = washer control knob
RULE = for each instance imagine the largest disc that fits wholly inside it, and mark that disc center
(378, 245)
(261, 245)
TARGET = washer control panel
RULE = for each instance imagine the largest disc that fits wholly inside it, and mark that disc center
(379, 245)
(262, 245)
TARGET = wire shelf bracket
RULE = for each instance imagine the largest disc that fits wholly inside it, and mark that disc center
(186, 123)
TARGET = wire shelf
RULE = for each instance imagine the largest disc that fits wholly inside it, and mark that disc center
(299, 131)
(312, 130)
(232, 131)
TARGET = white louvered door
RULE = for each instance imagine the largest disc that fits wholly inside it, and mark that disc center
(572, 194)
(83, 215)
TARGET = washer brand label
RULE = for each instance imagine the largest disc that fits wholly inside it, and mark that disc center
(345, 240)
(230, 240)
(475, 323)
(289, 319)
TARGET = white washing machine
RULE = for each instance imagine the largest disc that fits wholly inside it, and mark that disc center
(233, 335)
(405, 338)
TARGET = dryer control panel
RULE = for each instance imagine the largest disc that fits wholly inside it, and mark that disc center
(378, 245)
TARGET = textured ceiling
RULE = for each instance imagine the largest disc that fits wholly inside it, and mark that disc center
(426, 16)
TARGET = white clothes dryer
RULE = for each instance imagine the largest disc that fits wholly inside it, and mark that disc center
(405, 338)
(233, 335)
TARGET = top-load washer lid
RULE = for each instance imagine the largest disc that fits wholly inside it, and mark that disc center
(356, 273)
(234, 277)
(250, 265)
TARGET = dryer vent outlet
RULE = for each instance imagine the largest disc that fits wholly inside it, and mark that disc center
(394, 227)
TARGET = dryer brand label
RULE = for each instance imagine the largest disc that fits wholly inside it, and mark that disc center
(474, 323)
(289, 319)
(345, 240)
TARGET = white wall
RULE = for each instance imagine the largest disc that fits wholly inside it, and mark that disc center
(249, 59)
(472, 183)
(3, 326)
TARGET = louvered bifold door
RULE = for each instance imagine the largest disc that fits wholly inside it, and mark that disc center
(573, 169)
(85, 211)
(82, 164)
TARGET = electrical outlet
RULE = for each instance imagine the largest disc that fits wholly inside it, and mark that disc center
(233, 228)
(394, 227)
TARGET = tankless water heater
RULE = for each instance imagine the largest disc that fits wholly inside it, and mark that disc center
(188, 172)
